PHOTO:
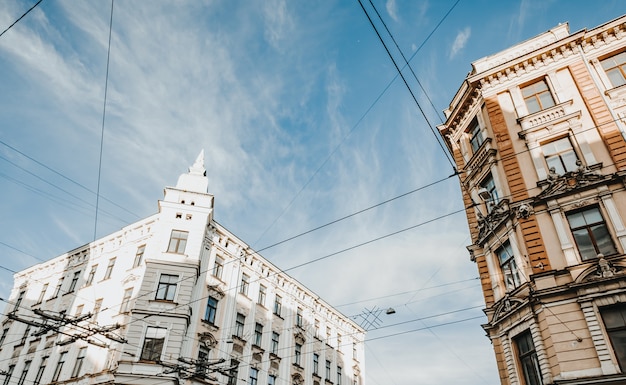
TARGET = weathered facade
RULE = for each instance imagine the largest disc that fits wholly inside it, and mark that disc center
(174, 298)
(537, 132)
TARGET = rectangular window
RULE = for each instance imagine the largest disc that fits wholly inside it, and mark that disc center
(167, 287)
(316, 363)
(245, 282)
(234, 372)
(328, 370)
(274, 347)
(211, 310)
(97, 306)
(109, 270)
(239, 323)
(92, 274)
(19, 299)
(43, 293)
(25, 335)
(262, 295)
(125, 306)
(254, 374)
(476, 138)
(202, 367)
(299, 317)
(9, 373)
(74, 281)
(218, 267)
(24, 373)
(278, 305)
(590, 233)
(178, 242)
(488, 188)
(271, 380)
(338, 375)
(79, 362)
(258, 334)
(153, 344)
(42, 368)
(528, 358)
(537, 96)
(560, 155)
(508, 266)
(614, 318)
(298, 354)
(139, 255)
(615, 68)
(59, 367)
(5, 332)
(79, 310)
(57, 290)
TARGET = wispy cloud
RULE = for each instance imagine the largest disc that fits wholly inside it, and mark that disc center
(392, 9)
(460, 41)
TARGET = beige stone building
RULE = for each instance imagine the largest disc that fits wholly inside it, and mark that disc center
(537, 132)
(174, 298)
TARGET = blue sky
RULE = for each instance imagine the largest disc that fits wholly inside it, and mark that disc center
(303, 121)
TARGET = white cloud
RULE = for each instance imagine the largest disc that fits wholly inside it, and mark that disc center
(460, 41)
(392, 9)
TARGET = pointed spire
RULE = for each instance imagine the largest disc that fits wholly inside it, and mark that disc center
(195, 180)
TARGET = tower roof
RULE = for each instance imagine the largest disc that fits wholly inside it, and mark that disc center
(195, 179)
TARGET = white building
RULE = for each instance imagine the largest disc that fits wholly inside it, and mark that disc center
(173, 298)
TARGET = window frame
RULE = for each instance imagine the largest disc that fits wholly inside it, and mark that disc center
(262, 295)
(210, 312)
(278, 305)
(245, 284)
(475, 132)
(620, 67)
(141, 249)
(218, 267)
(153, 344)
(589, 230)
(91, 276)
(240, 323)
(297, 357)
(612, 330)
(275, 342)
(125, 305)
(489, 183)
(258, 334)
(528, 360)
(41, 370)
(24, 373)
(74, 282)
(80, 359)
(563, 166)
(109, 270)
(536, 95)
(165, 288)
(59, 367)
(178, 242)
(508, 266)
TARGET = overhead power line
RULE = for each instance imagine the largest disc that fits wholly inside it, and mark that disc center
(20, 18)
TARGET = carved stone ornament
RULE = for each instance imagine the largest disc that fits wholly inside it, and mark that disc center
(605, 269)
(207, 340)
(494, 219)
(560, 184)
(504, 307)
(524, 211)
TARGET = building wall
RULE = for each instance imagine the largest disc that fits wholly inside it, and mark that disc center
(542, 288)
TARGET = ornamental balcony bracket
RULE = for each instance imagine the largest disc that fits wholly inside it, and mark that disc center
(496, 217)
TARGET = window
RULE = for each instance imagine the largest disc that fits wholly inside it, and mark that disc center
(234, 372)
(107, 273)
(354, 350)
(43, 293)
(615, 68)
(4, 336)
(202, 367)
(178, 241)
(125, 306)
(218, 267)
(211, 310)
(316, 363)
(97, 306)
(262, 295)
(42, 368)
(9, 373)
(258, 334)
(57, 290)
(74, 281)
(271, 380)
(560, 155)
(537, 96)
(19, 299)
(153, 344)
(508, 266)
(338, 375)
(528, 358)
(92, 273)
(239, 322)
(275, 338)
(245, 282)
(79, 310)
(59, 368)
(25, 335)
(24, 373)
(298, 354)
(476, 138)
(278, 305)
(299, 317)
(79, 362)
(167, 287)
(489, 185)
(590, 233)
(328, 370)
(614, 318)
(254, 374)
(139, 255)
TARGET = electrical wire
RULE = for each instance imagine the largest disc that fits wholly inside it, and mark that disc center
(20, 18)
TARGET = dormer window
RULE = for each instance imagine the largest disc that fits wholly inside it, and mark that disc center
(615, 68)
(476, 135)
(537, 96)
